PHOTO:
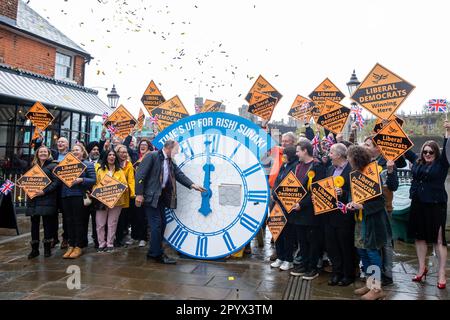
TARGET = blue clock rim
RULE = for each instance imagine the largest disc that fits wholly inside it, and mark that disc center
(248, 123)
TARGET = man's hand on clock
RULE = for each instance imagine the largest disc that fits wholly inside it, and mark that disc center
(198, 188)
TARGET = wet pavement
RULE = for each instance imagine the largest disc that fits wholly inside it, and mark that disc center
(126, 274)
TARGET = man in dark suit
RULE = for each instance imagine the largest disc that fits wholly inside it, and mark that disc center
(156, 190)
(340, 226)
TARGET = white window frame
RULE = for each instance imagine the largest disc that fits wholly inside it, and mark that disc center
(72, 63)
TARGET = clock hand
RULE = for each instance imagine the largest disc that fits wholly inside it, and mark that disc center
(205, 208)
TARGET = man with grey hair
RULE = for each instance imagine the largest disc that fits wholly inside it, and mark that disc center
(288, 139)
(156, 190)
(340, 227)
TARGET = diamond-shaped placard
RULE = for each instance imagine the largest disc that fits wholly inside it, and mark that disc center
(33, 181)
(290, 191)
(170, 112)
(382, 92)
(152, 97)
(392, 141)
(40, 116)
(276, 221)
(69, 169)
(301, 109)
(333, 116)
(325, 90)
(323, 196)
(108, 191)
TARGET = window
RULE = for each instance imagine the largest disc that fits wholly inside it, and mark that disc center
(63, 67)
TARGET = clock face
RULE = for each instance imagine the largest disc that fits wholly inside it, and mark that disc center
(221, 221)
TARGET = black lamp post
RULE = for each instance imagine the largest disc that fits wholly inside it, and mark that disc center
(113, 97)
(352, 85)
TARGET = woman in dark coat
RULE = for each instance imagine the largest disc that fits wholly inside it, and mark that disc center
(371, 227)
(429, 206)
(43, 204)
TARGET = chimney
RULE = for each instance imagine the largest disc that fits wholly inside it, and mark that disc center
(8, 8)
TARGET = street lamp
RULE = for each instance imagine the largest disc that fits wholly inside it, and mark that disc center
(113, 97)
(352, 85)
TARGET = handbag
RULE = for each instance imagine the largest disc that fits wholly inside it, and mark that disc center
(87, 201)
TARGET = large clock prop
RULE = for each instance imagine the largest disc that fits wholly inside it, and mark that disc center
(222, 152)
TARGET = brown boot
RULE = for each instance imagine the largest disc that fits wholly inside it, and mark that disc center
(77, 252)
(361, 291)
(374, 294)
(68, 253)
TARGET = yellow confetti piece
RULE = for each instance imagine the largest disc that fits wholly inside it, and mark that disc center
(231, 278)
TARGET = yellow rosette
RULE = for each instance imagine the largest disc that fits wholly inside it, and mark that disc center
(311, 175)
(339, 181)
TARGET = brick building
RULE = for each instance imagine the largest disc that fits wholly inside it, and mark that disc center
(39, 63)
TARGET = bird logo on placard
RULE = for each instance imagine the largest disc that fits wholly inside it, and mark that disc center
(378, 77)
(392, 130)
(326, 87)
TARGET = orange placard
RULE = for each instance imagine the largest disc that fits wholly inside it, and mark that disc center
(211, 106)
(323, 195)
(262, 98)
(33, 181)
(333, 116)
(170, 112)
(122, 120)
(290, 191)
(141, 119)
(152, 97)
(365, 185)
(69, 169)
(301, 109)
(276, 221)
(380, 123)
(325, 90)
(108, 191)
(382, 92)
(40, 116)
(392, 141)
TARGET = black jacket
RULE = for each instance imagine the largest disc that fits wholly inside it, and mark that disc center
(149, 182)
(46, 204)
(428, 183)
(337, 218)
(306, 215)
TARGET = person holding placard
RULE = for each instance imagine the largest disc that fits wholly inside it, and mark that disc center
(371, 228)
(138, 219)
(43, 204)
(390, 185)
(284, 246)
(340, 226)
(428, 213)
(109, 165)
(127, 167)
(73, 205)
(308, 231)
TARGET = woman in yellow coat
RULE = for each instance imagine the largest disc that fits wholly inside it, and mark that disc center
(109, 165)
(125, 216)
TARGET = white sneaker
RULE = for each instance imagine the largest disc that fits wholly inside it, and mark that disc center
(276, 264)
(142, 243)
(129, 242)
(285, 266)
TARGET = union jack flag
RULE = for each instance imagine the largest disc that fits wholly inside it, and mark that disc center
(7, 187)
(154, 120)
(105, 116)
(437, 105)
(330, 140)
(112, 130)
(315, 142)
(358, 113)
(341, 206)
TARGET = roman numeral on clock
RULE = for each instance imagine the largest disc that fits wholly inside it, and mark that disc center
(186, 149)
(249, 223)
(177, 237)
(257, 196)
(228, 241)
(202, 247)
(251, 170)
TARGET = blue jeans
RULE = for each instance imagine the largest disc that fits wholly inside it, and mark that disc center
(370, 257)
(157, 223)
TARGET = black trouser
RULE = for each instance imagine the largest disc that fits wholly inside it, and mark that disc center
(310, 242)
(47, 221)
(285, 243)
(55, 219)
(138, 222)
(74, 212)
(123, 224)
(89, 212)
(341, 249)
